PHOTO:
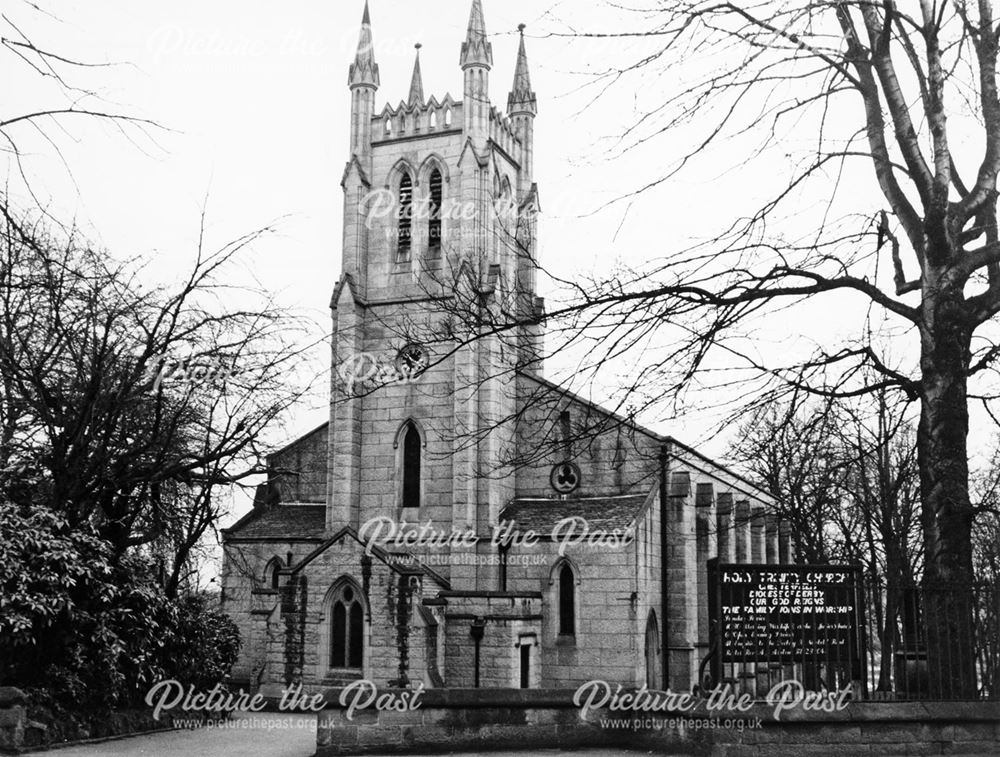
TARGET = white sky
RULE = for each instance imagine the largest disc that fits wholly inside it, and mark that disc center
(256, 102)
(255, 96)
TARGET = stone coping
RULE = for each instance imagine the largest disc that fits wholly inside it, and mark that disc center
(917, 712)
(486, 594)
(859, 711)
(475, 698)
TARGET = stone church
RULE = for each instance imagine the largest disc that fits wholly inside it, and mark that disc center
(465, 521)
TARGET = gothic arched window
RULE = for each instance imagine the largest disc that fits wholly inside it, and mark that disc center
(434, 119)
(271, 575)
(434, 224)
(447, 118)
(411, 466)
(346, 629)
(652, 651)
(405, 216)
(567, 601)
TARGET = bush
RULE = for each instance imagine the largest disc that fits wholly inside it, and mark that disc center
(202, 646)
(80, 632)
(47, 575)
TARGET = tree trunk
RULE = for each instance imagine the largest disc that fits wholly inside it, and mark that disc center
(888, 638)
(946, 513)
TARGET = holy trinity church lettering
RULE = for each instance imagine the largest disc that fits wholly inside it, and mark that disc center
(442, 444)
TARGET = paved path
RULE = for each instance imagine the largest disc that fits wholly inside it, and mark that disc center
(543, 753)
(256, 735)
(245, 734)
(263, 735)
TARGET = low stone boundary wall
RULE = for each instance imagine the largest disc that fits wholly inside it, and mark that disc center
(12, 718)
(473, 719)
(874, 728)
(470, 719)
(19, 733)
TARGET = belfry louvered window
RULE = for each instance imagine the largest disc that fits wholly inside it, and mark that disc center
(434, 223)
(405, 228)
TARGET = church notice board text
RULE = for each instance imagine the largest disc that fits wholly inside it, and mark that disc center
(786, 613)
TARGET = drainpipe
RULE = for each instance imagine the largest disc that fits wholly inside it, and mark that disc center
(477, 630)
(502, 550)
(664, 599)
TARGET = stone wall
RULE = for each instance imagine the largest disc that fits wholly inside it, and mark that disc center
(394, 629)
(475, 719)
(613, 458)
(511, 620)
(299, 470)
(247, 595)
(13, 718)
(458, 719)
(26, 726)
(371, 456)
(613, 596)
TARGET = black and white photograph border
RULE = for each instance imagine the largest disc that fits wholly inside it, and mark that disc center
(523, 377)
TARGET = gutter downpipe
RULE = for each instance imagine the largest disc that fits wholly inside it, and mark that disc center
(664, 599)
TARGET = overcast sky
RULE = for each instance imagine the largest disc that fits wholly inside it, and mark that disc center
(254, 105)
(254, 102)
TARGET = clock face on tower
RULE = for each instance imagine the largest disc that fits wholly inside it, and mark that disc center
(411, 361)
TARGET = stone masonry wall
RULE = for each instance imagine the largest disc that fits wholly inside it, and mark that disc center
(510, 620)
(395, 636)
(475, 720)
(246, 594)
(612, 460)
(607, 642)
(299, 470)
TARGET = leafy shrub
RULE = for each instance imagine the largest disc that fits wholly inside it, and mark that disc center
(82, 632)
(202, 645)
(48, 575)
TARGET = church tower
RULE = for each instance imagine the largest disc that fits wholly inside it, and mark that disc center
(439, 206)
(431, 408)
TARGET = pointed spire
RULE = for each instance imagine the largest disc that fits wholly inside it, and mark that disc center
(521, 99)
(364, 70)
(477, 24)
(416, 82)
(476, 50)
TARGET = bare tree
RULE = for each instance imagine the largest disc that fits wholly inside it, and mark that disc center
(62, 98)
(924, 259)
(132, 407)
(787, 450)
(880, 518)
(986, 554)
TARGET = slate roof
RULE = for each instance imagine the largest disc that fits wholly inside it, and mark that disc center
(605, 513)
(281, 522)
